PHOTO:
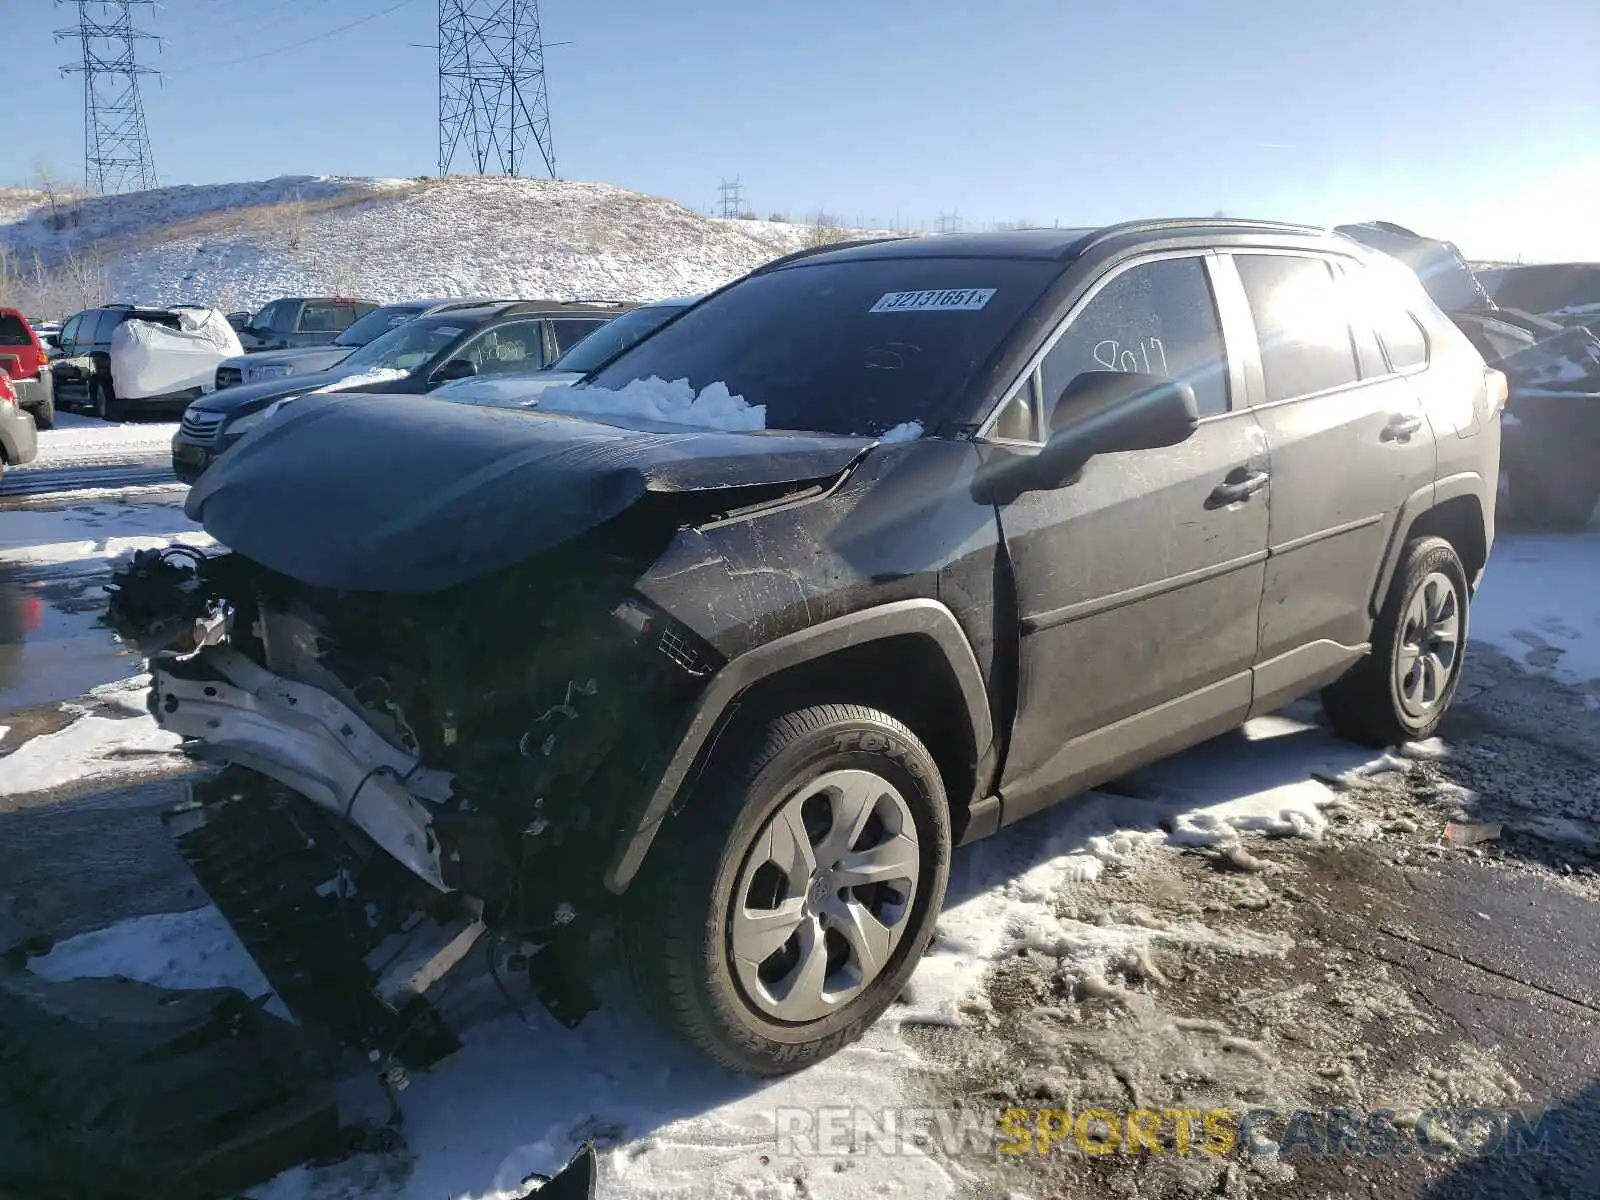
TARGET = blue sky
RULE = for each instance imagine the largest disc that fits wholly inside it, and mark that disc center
(1477, 120)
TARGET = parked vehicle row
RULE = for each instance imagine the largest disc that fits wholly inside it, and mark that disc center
(1021, 512)
(456, 340)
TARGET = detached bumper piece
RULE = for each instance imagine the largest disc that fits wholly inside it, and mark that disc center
(338, 928)
(118, 1089)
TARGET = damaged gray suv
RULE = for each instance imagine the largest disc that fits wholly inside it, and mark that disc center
(998, 518)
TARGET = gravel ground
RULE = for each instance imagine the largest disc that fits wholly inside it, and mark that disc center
(1413, 973)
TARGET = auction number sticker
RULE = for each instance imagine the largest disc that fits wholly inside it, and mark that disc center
(934, 300)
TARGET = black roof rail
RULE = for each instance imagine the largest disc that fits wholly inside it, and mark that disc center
(784, 260)
(1180, 224)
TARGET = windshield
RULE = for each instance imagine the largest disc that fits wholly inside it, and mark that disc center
(407, 347)
(854, 347)
(614, 337)
(377, 322)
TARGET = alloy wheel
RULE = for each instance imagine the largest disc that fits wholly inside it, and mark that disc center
(824, 896)
(1429, 646)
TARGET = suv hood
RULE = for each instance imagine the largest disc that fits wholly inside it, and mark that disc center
(304, 358)
(395, 493)
(245, 397)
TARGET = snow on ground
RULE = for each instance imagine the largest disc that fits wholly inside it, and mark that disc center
(92, 747)
(59, 556)
(84, 532)
(80, 441)
(182, 950)
(1540, 602)
(401, 239)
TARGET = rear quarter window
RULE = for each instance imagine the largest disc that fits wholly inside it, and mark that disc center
(13, 332)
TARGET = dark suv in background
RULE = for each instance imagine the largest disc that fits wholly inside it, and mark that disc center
(82, 373)
(302, 321)
(492, 338)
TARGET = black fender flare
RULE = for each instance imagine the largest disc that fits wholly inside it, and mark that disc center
(927, 619)
(1420, 502)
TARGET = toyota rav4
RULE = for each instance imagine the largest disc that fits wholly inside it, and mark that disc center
(988, 520)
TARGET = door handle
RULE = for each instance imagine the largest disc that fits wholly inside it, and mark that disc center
(1400, 427)
(1232, 490)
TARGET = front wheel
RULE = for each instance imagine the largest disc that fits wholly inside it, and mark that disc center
(786, 908)
(1402, 689)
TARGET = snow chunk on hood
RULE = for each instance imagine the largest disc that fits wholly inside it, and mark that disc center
(381, 375)
(906, 431)
(654, 399)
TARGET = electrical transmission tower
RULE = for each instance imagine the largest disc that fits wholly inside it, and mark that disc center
(492, 98)
(116, 144)
(732, 202)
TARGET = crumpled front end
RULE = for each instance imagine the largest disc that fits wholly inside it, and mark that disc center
(489, 740)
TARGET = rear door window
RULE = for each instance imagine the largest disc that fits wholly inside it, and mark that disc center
(1300, 324)
(1155, 318)
(107, 325)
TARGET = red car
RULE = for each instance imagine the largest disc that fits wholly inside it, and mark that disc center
(24, 359)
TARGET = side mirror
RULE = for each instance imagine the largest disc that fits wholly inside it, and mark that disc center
(1098, 412)
(456, 368)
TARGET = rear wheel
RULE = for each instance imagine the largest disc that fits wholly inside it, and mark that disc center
(103, 399)
(1402, 689)
(44, 416)
(784, 911)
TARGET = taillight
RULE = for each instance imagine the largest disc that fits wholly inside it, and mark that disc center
(1497, 390)
(8, 394)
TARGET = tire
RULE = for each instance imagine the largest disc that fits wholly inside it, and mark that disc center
(1560, 504)
(44, 416)
(678, 920)
(1382, 701)
(103, 399)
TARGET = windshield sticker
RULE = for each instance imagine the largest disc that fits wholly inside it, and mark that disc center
(447, 330)
(936, 300)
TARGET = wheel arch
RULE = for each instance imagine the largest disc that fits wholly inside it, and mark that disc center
(1453, 508)
(910, 658)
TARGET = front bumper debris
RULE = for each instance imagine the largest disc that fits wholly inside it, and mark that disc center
(303, 737)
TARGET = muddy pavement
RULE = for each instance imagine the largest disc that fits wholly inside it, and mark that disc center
(1386, 966)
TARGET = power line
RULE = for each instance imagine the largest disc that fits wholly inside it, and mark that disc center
(325, 34)
(492, 95)
(116, 142)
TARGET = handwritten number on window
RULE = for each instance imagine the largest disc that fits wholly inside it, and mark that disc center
(1146, 356)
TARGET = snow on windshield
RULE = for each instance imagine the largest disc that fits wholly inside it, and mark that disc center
(381, 375)
(654, 399)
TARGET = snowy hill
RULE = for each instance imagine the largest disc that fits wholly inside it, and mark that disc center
(239, 245)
